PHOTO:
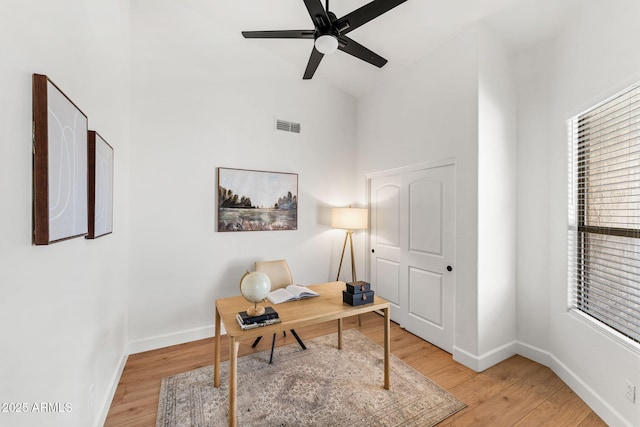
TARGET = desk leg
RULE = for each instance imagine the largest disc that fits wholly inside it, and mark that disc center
(387, 348)
(216, 354)
(339, 334)
(233, 379)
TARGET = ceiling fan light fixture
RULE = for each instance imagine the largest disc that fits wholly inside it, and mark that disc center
(326, 43)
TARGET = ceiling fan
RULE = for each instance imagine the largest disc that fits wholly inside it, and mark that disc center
(330, 32)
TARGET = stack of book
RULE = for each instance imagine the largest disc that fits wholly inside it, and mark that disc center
(269, 317)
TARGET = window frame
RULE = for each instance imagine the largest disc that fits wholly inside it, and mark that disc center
(580, 230)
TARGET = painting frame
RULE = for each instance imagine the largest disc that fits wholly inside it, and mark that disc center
(256, 200)
(100, 182)
(59, 159)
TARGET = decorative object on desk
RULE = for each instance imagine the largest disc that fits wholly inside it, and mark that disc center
(361, 298)
(290, 293)
(100, 173)
(250, 200)
(358, 287)
(255, 287)
(269, 317)
(245, 326)
(269, 314)
(309, 388)
(349, 219)
(357, 293)
(59, 165)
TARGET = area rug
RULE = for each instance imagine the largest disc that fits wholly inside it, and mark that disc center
(320, 386)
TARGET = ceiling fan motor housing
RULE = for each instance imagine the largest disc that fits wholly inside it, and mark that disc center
(327, 31)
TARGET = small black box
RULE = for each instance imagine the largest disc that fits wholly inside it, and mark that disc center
(358, 287)
(357, 299)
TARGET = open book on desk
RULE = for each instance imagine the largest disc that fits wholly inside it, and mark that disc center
(290, 293)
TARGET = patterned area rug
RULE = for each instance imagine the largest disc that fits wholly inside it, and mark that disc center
(320, 386)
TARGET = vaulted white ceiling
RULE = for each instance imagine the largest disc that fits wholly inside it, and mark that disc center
(403, 35)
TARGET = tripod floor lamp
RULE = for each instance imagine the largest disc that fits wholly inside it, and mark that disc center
(349, 219)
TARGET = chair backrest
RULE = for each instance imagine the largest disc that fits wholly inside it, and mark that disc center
(278, 272)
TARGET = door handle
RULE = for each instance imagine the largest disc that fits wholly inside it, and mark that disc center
(373, 251)
(449, 268)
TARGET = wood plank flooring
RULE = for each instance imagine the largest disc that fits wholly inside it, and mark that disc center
(516, 392)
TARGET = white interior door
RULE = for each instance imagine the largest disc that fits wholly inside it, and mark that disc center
(412, 237)
(386, 239)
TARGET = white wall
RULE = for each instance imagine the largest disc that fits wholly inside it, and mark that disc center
(595, 56)
(204, 98)
(459, 102)
(428, 113)
(496, 202)
(63, 310)
(533, 70)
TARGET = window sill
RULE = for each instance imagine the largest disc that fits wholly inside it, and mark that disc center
(605, 330)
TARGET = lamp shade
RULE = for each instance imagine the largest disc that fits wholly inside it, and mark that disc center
(349, 218)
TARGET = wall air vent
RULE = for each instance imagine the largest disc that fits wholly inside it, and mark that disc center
(287, 126)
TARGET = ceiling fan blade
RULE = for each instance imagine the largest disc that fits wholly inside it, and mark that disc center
(317, 13)
(366, 13)
(312, 66)
(354, 48)
(279, 34)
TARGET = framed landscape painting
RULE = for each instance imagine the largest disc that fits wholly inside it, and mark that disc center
(250, 200)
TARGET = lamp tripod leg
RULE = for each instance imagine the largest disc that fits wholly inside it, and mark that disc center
(353, 260)
(353, 268)
(344, 246)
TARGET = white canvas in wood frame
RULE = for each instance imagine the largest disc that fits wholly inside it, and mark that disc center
(100, 186)
(59, 165)
(250, 200)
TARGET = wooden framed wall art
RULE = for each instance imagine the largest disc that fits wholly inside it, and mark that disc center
(100, 165)
(59, 165)
(250, 200)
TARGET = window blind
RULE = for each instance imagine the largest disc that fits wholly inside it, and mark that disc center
(605, 213)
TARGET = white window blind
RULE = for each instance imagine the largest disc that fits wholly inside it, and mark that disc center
(604, 211)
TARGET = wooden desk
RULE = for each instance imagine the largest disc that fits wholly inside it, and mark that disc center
(328, 306)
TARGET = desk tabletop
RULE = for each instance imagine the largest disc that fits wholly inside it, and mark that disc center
(294, 314)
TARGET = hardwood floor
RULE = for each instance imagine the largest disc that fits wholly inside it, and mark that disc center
(516, 392)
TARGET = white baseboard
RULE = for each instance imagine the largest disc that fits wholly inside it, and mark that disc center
(464, 357)
(534, 353)
(599, 405)
(115, 379)
(484, 361)
(147, 344)
(166, 340)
